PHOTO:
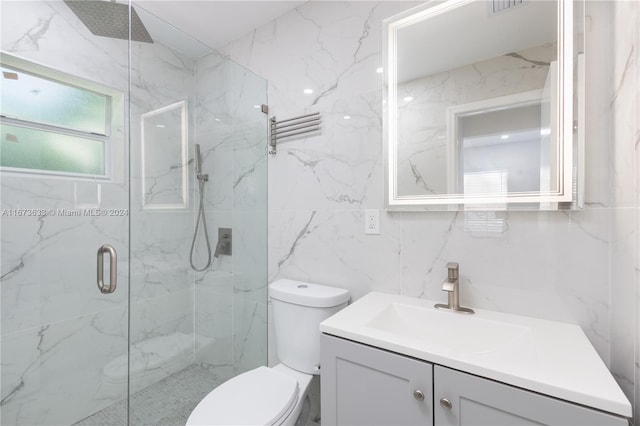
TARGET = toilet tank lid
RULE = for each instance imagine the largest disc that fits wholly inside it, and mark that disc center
(307, 294)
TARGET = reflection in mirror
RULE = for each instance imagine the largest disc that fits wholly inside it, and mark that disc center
(164, 157)
(473, 102)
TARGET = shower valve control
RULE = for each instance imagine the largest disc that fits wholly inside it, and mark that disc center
(224, 242)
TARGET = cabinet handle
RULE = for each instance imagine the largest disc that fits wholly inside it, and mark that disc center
(445, 403)
(417, 394)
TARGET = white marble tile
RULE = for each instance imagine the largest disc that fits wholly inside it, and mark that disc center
(53, 374)
(623, 296)
(330, 247)
(214, 305)
(213, 323)
(622, 102)
(39, 286)
(249, 334)
(550, 265)
(598, 97)
(249, 255)
(337, 58)
(37, 33)
(162, 315)
(624, 107)
(534, 267)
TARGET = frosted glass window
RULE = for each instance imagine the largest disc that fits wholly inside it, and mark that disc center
(52, 122)
(32, 98)
(34, 149)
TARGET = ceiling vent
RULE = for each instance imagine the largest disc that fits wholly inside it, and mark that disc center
(499, 6)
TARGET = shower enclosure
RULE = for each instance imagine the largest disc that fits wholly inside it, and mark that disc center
(97, 147)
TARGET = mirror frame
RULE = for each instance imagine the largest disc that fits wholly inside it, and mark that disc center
(564, 118)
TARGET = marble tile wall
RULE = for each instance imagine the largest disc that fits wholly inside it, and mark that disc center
(214, 287)
(51, 307)
(553, 265)
(58, 332)
(623, 111)
(230, 314)
(161, 294)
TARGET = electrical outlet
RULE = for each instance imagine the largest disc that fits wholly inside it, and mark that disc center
(372, 221)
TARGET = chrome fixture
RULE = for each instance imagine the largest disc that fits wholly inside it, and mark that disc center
(452, 286)
(418, 395)
(110, 19)
(202, 178)
(224, 242)
(292, 127)
(446, 404)
(198, 161)
(113, 269)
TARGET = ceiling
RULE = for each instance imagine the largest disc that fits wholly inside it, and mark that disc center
(216, 23)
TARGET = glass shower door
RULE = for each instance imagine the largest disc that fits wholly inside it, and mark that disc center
(64, 193)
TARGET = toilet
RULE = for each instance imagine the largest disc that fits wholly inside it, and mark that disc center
(278, 395)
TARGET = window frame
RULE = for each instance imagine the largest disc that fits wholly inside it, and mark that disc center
(113, 117)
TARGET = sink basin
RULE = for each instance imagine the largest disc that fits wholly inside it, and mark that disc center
(451, 330)
(548, 357)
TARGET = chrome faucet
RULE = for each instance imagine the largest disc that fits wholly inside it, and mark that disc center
(452, 286)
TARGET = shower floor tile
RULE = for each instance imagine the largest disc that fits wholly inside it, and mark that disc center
(168, 402)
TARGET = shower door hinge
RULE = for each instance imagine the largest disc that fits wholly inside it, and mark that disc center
(264, 108)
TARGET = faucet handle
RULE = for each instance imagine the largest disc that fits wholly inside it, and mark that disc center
(448, 286)
(452, 273)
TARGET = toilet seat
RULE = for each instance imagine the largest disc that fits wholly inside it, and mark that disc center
(262, 396)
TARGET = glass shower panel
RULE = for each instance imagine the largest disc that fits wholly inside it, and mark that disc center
(231, 297)
(60, 336)
(249, 185)
(162, 305)
(191, 330)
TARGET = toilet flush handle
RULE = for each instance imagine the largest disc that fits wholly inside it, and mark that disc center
(316, 367)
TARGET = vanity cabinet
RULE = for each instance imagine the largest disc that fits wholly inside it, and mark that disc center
(464, 399)
(364, 385)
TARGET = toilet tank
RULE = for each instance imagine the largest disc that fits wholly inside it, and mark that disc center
(298, 308)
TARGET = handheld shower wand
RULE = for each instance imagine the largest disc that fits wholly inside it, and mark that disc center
(202, 178)
(198, 161)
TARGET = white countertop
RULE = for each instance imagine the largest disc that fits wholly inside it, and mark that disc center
(548, 357)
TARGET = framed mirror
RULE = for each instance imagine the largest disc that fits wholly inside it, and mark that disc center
(479, 106)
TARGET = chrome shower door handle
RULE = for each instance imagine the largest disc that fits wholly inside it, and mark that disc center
(113, 269)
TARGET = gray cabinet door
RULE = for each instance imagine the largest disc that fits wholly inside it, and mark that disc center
(361, 385)
(481, 402)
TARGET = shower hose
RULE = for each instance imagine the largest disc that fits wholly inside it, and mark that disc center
(204, 226)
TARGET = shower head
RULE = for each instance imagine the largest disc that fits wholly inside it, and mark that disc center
(109, 19)
(198, 159)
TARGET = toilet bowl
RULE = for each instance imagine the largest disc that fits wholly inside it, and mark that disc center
(277, 395)
(262, 396)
